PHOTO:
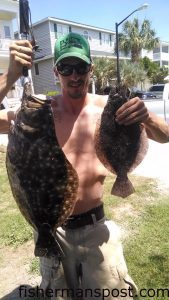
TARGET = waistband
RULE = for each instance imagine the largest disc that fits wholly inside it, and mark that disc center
(87, 218)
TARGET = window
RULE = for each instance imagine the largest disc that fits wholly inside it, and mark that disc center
(157, 88)
(62, 29)
(110, 37)
(100, 37)
(106, 38)
(156, 50)
(36, 69)
(55, 30)
(86, 35)
(165, 49)
(7, 32)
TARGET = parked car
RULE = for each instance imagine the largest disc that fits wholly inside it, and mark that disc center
(160, 105)
(144, 95)
(157, 89)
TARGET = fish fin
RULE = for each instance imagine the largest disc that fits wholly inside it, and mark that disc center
(122, 187)
(46, 244)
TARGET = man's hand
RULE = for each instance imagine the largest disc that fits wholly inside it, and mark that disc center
(20, 56)
(131, 112)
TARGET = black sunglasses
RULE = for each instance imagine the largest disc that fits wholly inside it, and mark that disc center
(67, 70)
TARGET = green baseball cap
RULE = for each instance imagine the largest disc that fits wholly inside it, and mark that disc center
(72, 44)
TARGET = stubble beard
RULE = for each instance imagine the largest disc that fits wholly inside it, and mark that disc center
(77, 95)
(80, 93)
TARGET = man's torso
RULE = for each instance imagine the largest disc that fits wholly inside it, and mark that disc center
(75, 135)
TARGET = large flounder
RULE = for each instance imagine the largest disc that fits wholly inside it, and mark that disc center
(43, 182)
(120, 148)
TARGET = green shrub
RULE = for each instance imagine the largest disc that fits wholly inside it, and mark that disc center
(52, 93)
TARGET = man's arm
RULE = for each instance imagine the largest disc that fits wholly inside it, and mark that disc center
(5, 85)
(135, 111)
(157, 129)
(20, 55)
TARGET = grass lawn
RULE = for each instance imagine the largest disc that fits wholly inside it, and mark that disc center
(143, 218)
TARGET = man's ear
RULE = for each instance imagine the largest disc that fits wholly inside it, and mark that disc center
(55, 71)
(91, 70)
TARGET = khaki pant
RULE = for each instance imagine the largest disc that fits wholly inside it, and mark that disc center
(93, 267)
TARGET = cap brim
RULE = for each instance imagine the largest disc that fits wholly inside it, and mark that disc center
(74, 54)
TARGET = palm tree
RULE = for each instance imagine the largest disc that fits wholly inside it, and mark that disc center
(135, 37)
(132, 74)
(104, 71)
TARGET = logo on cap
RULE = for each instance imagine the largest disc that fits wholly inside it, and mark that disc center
(70, 42)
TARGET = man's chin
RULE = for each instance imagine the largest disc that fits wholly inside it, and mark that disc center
(76, 95)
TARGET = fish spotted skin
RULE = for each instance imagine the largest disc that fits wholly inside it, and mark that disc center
(43, 182)
(120, 148)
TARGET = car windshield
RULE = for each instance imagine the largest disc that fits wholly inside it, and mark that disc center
(156, 88)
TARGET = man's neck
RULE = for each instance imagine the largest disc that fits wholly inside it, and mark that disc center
(74, 106)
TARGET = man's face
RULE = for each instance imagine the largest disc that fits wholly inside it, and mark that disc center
(74, 75)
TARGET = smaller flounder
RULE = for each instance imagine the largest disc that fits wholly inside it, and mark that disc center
(120, 148)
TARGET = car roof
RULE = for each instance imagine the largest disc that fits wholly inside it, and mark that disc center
(158, 84)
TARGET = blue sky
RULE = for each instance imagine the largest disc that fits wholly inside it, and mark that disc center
(104, 13)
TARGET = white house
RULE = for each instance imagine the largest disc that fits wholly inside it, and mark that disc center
(9, 13)
(161, 54)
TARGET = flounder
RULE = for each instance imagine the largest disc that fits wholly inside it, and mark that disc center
(120, 148)
(43, 182)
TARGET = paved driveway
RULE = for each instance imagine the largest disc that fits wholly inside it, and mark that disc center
(156, 162)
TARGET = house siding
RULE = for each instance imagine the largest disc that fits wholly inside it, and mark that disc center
(43, 38)
(45, 81)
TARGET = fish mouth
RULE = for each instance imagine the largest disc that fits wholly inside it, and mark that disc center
(46, 244)
(54, 250)
(41, 252)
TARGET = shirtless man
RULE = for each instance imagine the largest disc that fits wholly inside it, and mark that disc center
(94, 265)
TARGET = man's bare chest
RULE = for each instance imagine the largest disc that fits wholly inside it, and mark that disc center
(76, 133)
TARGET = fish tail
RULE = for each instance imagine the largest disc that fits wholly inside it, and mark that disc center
(122, 187)
(46, 244)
